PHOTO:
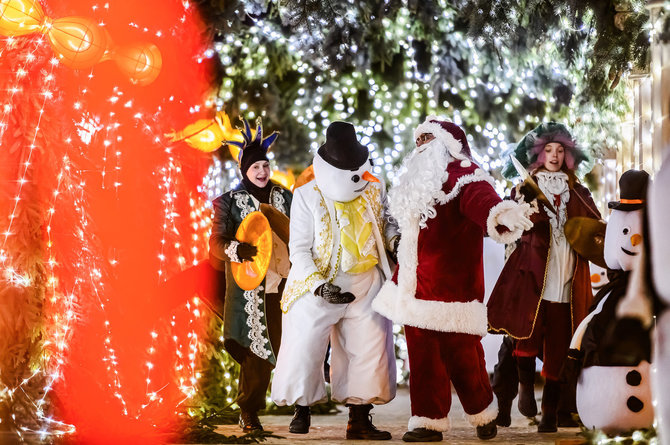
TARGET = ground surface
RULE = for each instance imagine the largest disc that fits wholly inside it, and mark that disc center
(393, 417)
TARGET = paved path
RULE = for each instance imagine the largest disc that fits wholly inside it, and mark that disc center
(393, 417)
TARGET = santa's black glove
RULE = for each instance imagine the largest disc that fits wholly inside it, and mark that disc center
(246, 252)
(332, 294)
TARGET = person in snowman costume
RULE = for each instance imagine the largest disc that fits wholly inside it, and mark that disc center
(610, 396)
(444, 205)
(338, 250)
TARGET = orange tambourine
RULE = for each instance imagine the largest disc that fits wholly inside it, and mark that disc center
(255, 230)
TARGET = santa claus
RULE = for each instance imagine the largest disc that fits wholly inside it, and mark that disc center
(444, 205)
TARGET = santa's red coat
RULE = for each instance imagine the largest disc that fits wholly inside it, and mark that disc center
(449, 290)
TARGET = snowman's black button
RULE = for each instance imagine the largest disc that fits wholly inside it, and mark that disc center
(634, 404)
(633, 378)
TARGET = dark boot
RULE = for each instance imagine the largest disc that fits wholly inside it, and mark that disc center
(488, 431)
(526, 368)
(301, 420)
(504, 412)
(422, 435)
(249, 421)
(567, 405)
(360, 425)
(549, 407)
(566, 419)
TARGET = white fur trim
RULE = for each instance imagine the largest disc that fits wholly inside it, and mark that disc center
(466, 318)
(486, 416)
(476, 176)
(492, 223)
(385, 302)
(466, 163)
(453, 145)
(442, 424)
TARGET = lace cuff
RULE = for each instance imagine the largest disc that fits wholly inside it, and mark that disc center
(231, 251)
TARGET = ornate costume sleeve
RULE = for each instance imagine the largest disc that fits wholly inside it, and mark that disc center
(300, 246)
(222, 242)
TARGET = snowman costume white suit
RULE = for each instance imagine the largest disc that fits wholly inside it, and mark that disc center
(363, 367)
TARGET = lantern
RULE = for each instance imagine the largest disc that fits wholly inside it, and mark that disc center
(77, 41)
(20, 17)
(141, 62)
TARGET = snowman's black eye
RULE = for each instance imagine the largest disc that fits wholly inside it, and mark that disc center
(355, 178)
(626, 230)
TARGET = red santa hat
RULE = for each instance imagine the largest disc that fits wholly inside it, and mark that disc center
(451, 135)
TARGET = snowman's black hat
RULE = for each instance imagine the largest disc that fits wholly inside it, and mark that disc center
(633, 191)
(342, 149)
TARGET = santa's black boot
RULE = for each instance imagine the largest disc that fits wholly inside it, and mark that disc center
(360, 425)
(422, 435)
(549, 406)
(487, 431)
(527, 403)
(301, 420)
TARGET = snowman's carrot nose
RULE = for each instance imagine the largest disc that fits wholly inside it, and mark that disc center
(595, 277)
(636, 239)
(368, 177)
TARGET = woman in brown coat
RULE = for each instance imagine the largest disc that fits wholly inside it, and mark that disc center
(544, 290)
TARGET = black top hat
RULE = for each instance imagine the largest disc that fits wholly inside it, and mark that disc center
(342, 149)
(633, 191)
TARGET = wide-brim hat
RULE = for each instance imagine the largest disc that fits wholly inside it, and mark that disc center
(632, 191)
(532, 144)
(342, 149)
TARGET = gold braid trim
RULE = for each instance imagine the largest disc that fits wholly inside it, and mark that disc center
(322, 262)
(297, 290)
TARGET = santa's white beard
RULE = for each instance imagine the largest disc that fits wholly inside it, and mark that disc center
(419, 185)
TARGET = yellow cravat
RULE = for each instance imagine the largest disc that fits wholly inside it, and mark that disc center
(359, 254)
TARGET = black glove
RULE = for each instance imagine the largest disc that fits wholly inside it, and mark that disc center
(528, 193)
(572, 366)
(332, 294)
(246, 252)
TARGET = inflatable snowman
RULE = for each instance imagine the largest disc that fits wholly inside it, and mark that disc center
(598, 277)
(649, 295)
(611, 397)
